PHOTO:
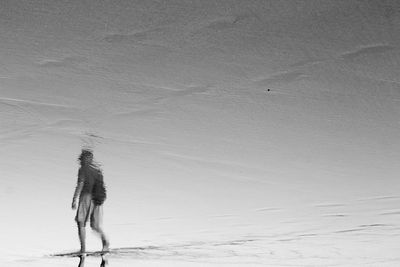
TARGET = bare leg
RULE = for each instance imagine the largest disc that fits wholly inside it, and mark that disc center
(95, 223)
(82, 236)
(104, 240)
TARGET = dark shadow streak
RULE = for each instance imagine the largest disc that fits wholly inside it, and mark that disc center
(103, 263)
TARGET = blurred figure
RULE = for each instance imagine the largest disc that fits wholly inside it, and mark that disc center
(91, 192)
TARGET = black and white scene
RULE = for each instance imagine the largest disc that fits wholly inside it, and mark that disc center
(200, 133)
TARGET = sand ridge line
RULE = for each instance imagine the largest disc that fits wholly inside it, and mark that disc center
(34, 102)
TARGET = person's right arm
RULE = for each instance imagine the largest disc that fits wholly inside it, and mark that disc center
(78, 189)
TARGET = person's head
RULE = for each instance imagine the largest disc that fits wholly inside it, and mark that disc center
(86, 157)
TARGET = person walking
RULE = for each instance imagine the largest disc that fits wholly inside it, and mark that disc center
(91, 193)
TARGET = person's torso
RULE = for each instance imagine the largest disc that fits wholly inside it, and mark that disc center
(90, 174)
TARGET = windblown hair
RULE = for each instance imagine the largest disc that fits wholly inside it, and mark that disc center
(85, 153)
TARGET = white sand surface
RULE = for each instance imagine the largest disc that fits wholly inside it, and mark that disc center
(233, 133)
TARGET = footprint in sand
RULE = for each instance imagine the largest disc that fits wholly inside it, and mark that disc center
(226, 22)
(145, 37)
(281, 78)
